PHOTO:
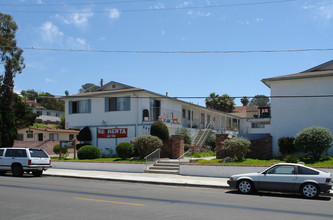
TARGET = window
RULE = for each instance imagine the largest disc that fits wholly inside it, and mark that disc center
(71, 137)
(189, 115)
(48, 113)
(184, 113)
(83, 106)
(254, 125)
(20, 137)
(39, 112)
(16, 153)
(1, 152)
(29, 135)
(38, 153)
(54, 137)
(117, 104)
(283, 169)
(306, 171)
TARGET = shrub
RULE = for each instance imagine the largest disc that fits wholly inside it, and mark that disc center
(314, 140)
(291, 159)
(186, 134)
(89, 152)
(58, 150)
(236, 148)
(146, 144)
(124, 150)
(286, 145)
(211, 141)
(159, 129)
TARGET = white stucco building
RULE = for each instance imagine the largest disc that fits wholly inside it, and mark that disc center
(118, 113)
(300, 101)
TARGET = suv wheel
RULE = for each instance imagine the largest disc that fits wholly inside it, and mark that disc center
(17, 170)
(310, 190)
(2, 173)
(37, 172)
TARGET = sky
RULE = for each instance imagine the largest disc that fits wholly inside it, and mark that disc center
(109, 39)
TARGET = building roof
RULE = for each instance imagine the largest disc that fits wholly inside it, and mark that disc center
(52, 130)
(125, 89)
(322, 70)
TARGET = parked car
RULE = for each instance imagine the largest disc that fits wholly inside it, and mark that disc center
(20, 160)
(284, 177)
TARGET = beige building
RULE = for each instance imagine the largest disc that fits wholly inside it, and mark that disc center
(45, 134)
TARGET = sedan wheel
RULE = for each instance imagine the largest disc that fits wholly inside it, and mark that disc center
(245, 186)
(309, 190)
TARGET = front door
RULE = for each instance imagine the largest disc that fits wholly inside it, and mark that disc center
(40, 137)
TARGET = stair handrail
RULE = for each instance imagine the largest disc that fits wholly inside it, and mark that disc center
(156, 153)
(183, 155)
(207, 130)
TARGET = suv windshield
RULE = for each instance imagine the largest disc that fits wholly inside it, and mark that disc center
(38, 153)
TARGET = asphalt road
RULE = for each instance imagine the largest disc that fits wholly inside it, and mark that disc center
(69, 198)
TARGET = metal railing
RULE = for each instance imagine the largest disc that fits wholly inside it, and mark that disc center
(204, 135)
(153, 156)
(187, 153)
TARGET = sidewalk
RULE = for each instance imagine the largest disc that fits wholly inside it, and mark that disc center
(167, 179)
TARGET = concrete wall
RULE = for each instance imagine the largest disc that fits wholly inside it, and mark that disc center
(116, 167)
(291, 115)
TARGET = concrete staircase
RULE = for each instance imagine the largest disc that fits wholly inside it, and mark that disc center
(164, 167)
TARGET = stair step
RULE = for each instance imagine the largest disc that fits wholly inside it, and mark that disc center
(167, 164)
(162, 171)
(163, 168)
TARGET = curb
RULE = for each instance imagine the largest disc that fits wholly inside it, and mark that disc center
(140, 181)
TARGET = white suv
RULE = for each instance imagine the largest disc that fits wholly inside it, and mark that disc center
(19, 160)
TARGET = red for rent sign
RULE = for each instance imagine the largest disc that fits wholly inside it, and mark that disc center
(111, 132)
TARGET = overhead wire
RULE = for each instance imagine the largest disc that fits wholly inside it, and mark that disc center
(177, 52)
(155, 9)
(73, 4)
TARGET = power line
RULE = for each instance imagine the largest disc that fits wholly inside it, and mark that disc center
(157, 9)
(180, 52)
(72, 4)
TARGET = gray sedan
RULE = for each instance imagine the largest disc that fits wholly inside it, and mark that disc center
(284, 177)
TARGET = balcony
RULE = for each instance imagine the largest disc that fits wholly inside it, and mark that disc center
(264, 116)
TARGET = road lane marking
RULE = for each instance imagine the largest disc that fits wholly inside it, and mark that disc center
(97, 200)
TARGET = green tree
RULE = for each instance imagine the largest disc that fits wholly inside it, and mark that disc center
(223, 103)
(62, 121)
(260, 100)
(23, 114)
(29, 94)
(11, 58)
(88, 87)
(245, 101)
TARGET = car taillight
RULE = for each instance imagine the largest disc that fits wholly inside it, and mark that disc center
(328, 180)
(29, 162)
(50, 162)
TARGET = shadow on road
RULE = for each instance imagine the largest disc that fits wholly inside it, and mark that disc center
(279, 195)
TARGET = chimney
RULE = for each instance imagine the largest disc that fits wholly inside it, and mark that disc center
(101, 82)
(166, 94)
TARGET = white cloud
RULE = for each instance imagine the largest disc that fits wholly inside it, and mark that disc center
(48, 80)
(114, 13)
(321, 9)
(259, 20)
(78, 19)
(158, 5)
(50, 33)
(244, 22)
(77, 43)
(196, 13)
